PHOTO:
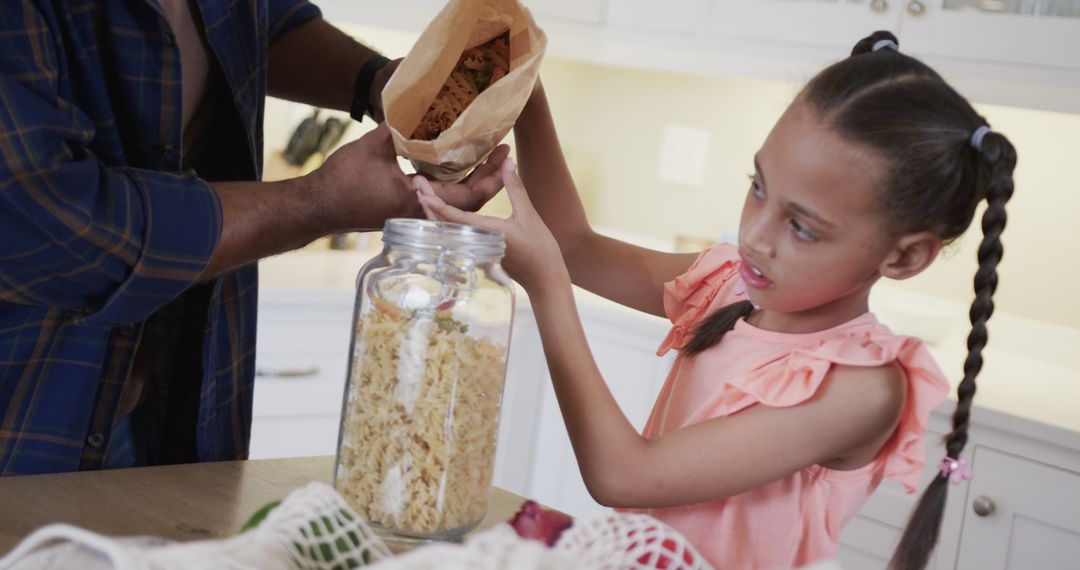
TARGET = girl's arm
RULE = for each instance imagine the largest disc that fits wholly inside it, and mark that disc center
(853, 414)
(855, 409)
(627, 274)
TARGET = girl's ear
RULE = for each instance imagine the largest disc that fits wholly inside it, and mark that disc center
(911, 254)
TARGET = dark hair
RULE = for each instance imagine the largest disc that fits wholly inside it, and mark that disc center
(905, 112)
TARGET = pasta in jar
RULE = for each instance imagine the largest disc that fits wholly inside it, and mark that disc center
(420, 423)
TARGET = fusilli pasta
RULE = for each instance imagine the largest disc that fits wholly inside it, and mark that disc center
(421, 420)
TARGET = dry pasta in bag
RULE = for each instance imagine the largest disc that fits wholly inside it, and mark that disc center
(463, 84)
(475, 71)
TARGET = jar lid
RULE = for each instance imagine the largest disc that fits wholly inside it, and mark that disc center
(444, 237)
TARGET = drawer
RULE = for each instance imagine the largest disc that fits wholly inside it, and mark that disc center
(290, 385)
(279, 333)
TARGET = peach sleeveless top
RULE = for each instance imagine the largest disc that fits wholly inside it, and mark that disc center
(796, 520)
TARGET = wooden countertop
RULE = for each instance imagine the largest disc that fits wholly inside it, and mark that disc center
(179, 502)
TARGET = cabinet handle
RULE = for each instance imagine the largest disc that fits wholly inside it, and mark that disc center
(983, 506)
(879, 6)
(287, 372)
(916, 8)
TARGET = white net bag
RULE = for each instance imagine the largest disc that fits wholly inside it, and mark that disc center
(613, 541)
(498, 548)
(313, 528)
(629, 542)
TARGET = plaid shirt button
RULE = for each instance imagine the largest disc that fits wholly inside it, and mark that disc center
(95, 440)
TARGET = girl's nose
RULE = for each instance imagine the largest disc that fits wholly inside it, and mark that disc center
(757, 238)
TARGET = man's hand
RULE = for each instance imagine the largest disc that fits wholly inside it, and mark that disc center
(375, 97)
(361, 185)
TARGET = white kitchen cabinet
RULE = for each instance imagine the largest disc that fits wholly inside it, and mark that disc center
(999, 58)
(1021, 467)
(590, 12)
(803, 24)
(301, 362)
(518, 429)
(1021, 514)
(678, 17)
(959, 29)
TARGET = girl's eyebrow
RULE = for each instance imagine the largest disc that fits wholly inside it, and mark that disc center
(809, 214)
(797, 208)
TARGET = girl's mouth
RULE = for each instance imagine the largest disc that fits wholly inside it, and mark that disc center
(753, 277)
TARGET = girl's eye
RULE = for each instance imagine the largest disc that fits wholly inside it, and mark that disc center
(755, 188)
(802, 233)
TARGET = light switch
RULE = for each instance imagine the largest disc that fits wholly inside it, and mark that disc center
(683, 152)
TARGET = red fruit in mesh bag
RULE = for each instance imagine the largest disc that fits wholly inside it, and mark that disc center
(534, 522)
(666, 558)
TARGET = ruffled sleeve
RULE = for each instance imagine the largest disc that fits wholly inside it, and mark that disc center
(796, 378)
(707, 285)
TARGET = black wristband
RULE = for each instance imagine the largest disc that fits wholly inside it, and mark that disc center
(362, 88)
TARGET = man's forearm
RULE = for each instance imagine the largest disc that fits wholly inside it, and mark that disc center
(260, 219)
(316, 63)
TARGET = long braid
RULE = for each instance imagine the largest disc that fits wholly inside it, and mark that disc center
(921, 534)
(1002, 159)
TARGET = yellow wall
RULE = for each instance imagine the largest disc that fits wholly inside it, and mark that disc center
(611, 121)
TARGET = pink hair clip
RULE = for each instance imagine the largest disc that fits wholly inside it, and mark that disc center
(956, 470)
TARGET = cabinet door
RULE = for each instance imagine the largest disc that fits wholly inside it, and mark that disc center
(301, 359)
(1039, 33)
(1029, 516)
(676, 17)
(812, 23)
(627, 360)
(578, 11)
(526, 377)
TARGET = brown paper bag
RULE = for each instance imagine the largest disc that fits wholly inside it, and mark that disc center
(460, 25)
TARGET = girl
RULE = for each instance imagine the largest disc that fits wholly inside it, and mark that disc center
(760, 448)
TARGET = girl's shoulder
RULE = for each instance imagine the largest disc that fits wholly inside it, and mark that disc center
(860, 351)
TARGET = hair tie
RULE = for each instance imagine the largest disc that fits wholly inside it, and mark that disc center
(885, 44)
(977, 137)
(956, 470)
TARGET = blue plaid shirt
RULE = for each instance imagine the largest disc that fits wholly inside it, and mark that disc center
(99, 225)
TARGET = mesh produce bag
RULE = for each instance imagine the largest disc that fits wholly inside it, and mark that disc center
(611, 542)
(630, 542)
(312, 528)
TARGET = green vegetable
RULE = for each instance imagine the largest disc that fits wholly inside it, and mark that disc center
(321, 552)
(260, 515)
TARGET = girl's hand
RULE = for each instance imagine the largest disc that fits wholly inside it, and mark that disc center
(481, 185)
(533, 257)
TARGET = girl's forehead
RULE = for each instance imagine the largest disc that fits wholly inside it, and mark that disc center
(805, 160)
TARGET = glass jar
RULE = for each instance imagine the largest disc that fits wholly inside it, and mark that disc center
(420, 416)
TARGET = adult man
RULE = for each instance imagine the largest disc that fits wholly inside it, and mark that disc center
(130, 215)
